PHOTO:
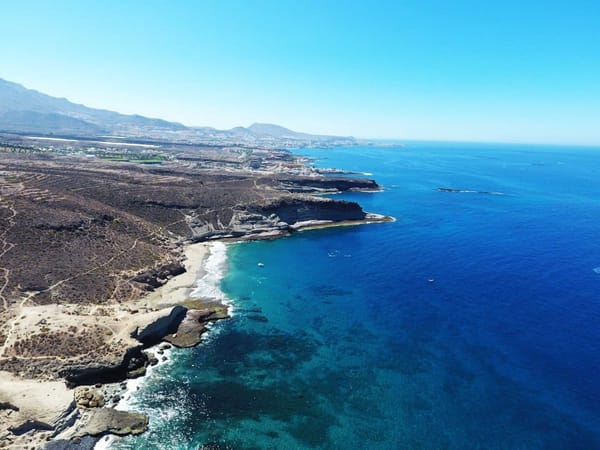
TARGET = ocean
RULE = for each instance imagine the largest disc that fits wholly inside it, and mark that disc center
(473, 321)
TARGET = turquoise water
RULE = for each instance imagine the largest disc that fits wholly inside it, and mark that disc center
(342, 341)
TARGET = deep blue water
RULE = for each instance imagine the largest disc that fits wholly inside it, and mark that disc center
(341, 341)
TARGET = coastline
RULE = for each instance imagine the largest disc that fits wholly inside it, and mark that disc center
(35, 411)
(177, 290)
(320, 224)
(206, 262)
(209, 270)
(177, 312)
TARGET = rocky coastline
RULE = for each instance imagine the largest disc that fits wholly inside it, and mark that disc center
(91, 389)
(79, 353)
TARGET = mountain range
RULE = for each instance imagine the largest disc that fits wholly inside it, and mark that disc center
(25, 110)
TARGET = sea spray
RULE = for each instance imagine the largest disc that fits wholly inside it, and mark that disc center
(209, 285)
(128, 400)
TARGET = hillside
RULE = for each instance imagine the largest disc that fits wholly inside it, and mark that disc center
(25, 110)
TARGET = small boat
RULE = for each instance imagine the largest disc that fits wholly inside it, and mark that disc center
(431, 280)
(261, 264)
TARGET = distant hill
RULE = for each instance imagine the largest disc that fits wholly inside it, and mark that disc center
(268, 129)
(45, 123)
(25, 110)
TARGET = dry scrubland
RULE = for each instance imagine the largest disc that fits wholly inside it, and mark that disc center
(87, 247)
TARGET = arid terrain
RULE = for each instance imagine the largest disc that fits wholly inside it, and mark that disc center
(84, 240)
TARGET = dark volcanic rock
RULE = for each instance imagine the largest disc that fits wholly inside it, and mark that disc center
(299, 209)
(101, 421)
(157, 277)
(91, 372)
(332, 184)
(155, 331)
(192, 326)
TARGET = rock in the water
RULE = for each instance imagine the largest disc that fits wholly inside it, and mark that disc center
(152, 361)
(258, 318)
(192, 326)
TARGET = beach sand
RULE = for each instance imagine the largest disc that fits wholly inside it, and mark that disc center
(46, 400)
(178, 289)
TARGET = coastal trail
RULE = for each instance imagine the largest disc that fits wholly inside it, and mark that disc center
(6, 247)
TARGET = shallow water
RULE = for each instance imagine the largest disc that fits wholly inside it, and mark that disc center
(342, 341)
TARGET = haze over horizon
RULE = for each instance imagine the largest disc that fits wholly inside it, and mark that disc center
(468, 71)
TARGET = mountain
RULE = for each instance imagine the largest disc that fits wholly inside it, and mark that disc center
(268, 129)
(25, 110)
(38, 122)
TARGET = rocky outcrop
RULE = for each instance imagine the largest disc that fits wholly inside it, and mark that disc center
(28, 407)
(157, 277)
(101, 421)
(135, 360)
(86, 397)
(327, 184)
(280, 216)
(152, 333)
(302, 208)
(190, 329)
(93, 372)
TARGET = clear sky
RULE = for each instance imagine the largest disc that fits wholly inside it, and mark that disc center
(505, 70)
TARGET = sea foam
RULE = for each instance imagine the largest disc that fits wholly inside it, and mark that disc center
(209, 285)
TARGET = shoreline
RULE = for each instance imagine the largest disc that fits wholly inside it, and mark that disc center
(321, 224)
(206, 285)
(126, 402)
(207, 267)
(210, 271)
(178, 312)
(37, 411)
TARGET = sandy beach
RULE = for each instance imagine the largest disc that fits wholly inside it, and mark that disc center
(40, 402)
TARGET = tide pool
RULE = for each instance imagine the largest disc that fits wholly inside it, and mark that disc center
(470, 322)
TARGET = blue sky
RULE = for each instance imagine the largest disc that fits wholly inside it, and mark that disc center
(516, 71)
